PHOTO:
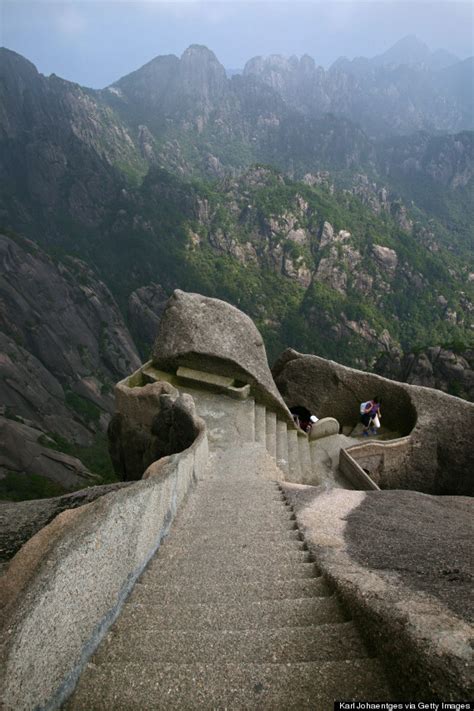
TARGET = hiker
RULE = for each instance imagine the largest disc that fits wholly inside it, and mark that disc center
(303, 418)
(370, 415)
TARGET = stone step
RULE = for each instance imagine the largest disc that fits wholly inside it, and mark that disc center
(282, 446)
(287, 644)
(222, 557)
(256, 513)
(270, 430)
(275, 538)
(261, 529)
(239, 541)
(207, 571)
(260, 424)
(319, 470)
(228, 490)
(299, 686)
(239, 615)
(240, 505)
(305, 459)
(150, 586)
(293, 455)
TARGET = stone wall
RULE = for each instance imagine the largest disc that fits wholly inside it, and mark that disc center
(66, 585)
(382, 461)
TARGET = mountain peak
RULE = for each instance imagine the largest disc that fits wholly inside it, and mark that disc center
(408, 50)
(199, 51)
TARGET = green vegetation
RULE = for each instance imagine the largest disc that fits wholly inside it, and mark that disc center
(95, 456)
(84, 408)
(26, 487)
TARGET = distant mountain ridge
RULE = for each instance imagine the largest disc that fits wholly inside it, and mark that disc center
(408, 51)
(304, 196)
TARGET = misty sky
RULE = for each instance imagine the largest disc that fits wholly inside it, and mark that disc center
(94, 42)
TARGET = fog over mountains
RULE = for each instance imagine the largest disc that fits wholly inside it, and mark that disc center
(334, 206)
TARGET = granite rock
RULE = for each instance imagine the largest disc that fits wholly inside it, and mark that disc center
(438, 455)
(209, 334)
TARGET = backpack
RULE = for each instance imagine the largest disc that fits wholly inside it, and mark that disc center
(363, 405)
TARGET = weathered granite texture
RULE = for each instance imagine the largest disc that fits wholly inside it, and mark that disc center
(19, 521)
(73, 576)
(63, 341)
(151, 422)
(211, 335)
(438, 457)
(401, 561)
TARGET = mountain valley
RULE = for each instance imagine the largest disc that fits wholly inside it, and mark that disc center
(333, 206)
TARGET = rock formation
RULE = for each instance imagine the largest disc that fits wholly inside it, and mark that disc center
(435, 367)
(438, 457)
(213, 336)
(63, 345)
(145, 307)
(151, 422)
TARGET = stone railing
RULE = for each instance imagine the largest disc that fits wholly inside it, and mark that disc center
(67, 584)
(373, 464)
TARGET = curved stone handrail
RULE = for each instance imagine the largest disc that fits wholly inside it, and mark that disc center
(73, 576)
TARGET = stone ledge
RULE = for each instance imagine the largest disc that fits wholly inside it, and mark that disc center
(65, 587)
(425, 646)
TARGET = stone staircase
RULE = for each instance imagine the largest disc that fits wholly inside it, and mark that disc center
(232, 612)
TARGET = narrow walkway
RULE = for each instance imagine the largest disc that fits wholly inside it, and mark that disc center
(231, 613)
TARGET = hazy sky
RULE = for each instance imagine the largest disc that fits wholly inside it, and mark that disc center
(94, 42)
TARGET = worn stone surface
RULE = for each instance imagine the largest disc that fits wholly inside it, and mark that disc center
(438, 457)
(134, 445)
(430, 549)
(19, 521)
(404, 580)
(66, 584)
(209, 334)
(197, 635)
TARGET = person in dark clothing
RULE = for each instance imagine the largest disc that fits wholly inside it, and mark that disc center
(303, 417)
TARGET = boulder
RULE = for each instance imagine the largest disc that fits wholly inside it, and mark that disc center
(435, 457)
(324, 427)
(151, 422)
(211, 335)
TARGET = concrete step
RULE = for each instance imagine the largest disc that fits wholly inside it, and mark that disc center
(260, 424)
(285, 538)
(238, 542)
(300, 686)
(207, 572)
(239, 615)
(223, 557)
(270, 430)
(268, 528)
(149, 586)
(282, 446)
(287, 644)
(293, 455)
(319, 470)
(305, 459)
(240, 504)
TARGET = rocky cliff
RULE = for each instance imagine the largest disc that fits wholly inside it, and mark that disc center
(64, 345)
